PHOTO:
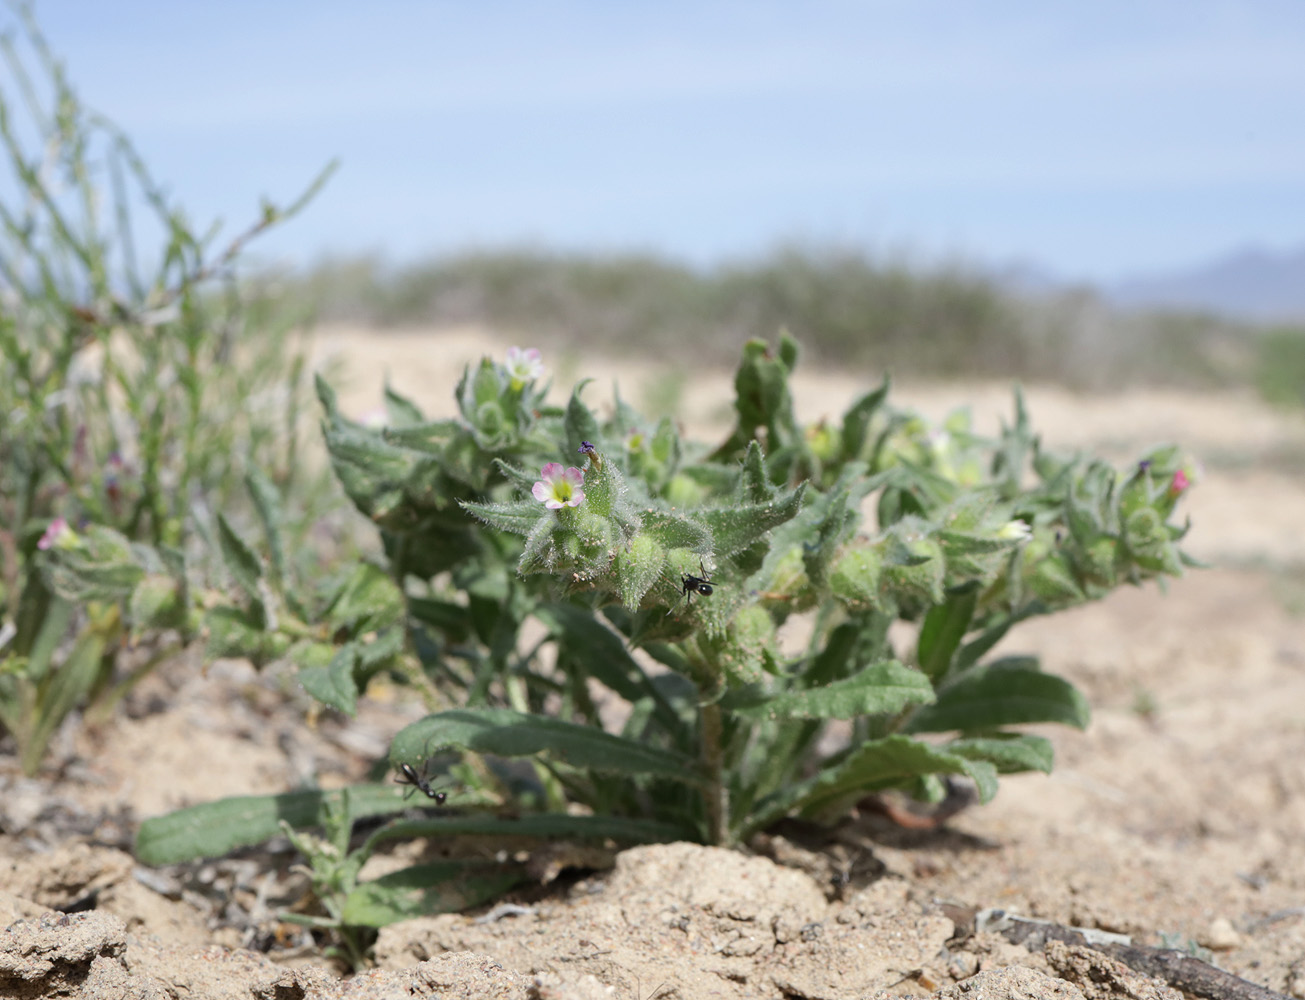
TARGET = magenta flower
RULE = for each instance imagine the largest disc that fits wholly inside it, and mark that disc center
(57, 535)
(524, 365)
(1179, 483)
(559, 488)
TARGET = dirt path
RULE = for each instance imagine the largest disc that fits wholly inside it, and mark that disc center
(1179, 813)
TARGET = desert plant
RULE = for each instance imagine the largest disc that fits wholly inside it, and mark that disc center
(131, 396)
(654, 575)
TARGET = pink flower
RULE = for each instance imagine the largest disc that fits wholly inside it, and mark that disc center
(375, 419)
(1179, 483)
(524, 365)
(57, 535)
(559, 488)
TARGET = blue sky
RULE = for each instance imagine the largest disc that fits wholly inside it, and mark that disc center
(1091, 140)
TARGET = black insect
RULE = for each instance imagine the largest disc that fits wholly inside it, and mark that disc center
(691, 585)
(419, 782)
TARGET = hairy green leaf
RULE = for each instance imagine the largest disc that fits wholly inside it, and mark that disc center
(422, 890)
(507, 733)
(367, 599)
(886, 687)
(267, 501)
(1001, 694)
(241, 561)
(944, 627)
(887, 763)
(1009, 753)
(519, 518)
(334, 685)
(214, 828)
(562, 826)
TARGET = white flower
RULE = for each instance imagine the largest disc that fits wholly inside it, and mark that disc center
(524, 364)
(1015, 531)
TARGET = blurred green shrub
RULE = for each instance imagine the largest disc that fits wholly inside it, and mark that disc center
(1280, 367)
(846, 307)
(135, 391)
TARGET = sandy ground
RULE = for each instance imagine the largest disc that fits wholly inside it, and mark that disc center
(1177, 818)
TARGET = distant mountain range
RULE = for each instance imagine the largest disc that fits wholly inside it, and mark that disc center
(1249, 284)
(1253, 285)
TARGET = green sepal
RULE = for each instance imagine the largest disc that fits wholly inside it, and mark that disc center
(735, 528)
(744, 651)
(913, 570)
(638, 568)
(102, 566)
(155, 604)
(400, 411)
(857, 421)
(1052, 581)
(754, 482)
(580, 423)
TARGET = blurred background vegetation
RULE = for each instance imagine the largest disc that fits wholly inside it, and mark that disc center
(845, 307)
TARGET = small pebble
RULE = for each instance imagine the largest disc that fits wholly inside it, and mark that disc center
(962, 965)
(1220, 935)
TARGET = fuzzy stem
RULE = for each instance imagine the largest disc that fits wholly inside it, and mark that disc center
(715, 793)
